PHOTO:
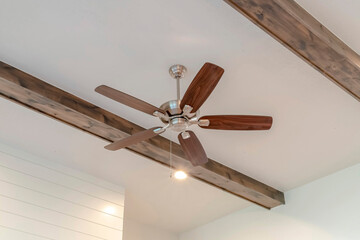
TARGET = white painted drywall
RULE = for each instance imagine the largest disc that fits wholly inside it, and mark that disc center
(42, 200)
(325, 209)
(133, 230)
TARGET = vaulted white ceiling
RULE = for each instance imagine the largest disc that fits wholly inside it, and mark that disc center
(129, 45)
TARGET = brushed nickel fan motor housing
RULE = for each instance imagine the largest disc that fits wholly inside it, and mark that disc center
(176, 118)
(172, 107)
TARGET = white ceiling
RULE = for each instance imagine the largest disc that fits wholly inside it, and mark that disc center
(129, 45)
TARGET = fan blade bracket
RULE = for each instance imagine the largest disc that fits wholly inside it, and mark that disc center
(161, 115)
(185, 135)
(161, 129)
(204, 122)
(187, 109)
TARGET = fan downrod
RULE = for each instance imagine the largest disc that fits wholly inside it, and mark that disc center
(177, 119)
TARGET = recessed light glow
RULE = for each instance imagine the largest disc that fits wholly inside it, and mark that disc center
(180, 175)
(110, 210)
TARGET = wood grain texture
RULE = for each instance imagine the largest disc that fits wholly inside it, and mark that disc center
(133, 139)
(42, 97)
(238, 122)
(193, 149)
(202, 86)
(128, 100)
(301, 33)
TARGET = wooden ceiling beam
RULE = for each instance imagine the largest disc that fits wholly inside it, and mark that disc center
(42, 97)
(301, 33)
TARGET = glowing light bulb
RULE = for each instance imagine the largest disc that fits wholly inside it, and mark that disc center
(181, 175)
(110, 210)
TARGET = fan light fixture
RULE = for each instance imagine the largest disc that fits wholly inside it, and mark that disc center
(180, 175)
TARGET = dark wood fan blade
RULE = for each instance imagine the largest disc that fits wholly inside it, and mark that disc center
(202, 86)
(127, 99)
(133, 139)
(238, 122)
(193, 149)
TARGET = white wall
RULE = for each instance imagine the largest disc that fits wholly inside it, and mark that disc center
(328, 208)
(137, 231)
(42, 200)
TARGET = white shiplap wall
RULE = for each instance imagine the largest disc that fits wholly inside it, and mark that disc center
(43, 200)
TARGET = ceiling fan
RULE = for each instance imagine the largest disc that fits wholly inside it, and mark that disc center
(178, 114)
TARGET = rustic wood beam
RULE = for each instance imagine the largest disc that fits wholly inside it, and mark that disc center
(301, 33)
(40, 96)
